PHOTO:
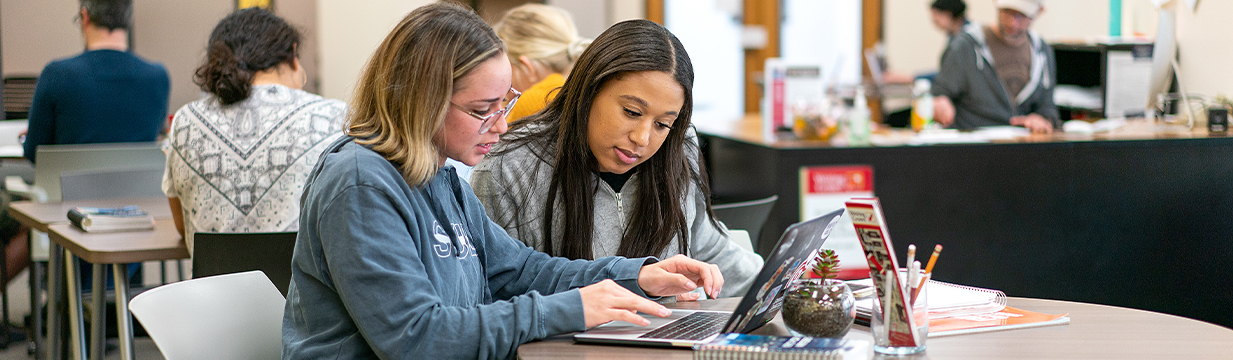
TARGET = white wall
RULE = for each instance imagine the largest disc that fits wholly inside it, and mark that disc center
(175, 33)
(592, 17)
(348, 33)
(1204, 46)
(171, 32)
(36, 32)
(621, 10)
(711, 33)
(302, 14)
(823, 32)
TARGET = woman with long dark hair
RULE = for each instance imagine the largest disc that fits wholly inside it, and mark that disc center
(396, 259)
(240, 155)
(611, 166)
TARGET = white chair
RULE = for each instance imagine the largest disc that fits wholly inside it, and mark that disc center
(232, 316)
(741, 239)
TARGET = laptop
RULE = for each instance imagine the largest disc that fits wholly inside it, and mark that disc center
(761, 303)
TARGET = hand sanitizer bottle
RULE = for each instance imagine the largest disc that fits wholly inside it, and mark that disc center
(858, 120)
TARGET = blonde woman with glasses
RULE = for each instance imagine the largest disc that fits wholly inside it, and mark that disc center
(395, 256)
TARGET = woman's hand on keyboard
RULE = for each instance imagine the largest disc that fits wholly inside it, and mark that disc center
(680, 274)
(606, 301)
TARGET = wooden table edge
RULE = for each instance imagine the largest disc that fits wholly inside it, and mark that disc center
(113, 257)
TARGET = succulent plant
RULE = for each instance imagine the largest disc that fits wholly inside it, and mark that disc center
(826, 264)
(817, 305)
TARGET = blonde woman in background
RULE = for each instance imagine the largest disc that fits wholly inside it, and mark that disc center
(542, 45)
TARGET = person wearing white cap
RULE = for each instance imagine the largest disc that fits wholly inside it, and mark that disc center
(999, 75)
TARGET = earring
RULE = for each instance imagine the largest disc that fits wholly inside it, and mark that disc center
(303, 78)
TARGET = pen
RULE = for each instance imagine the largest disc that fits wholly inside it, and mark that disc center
(886, 302)
(911, 253)
(913, 279)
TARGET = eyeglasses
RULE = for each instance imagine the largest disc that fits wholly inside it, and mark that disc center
(487, 121)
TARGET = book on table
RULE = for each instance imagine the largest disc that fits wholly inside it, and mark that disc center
(739, 346)
(112, 219)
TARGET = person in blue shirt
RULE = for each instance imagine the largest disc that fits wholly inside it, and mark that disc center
(396, 257)
(103, 95)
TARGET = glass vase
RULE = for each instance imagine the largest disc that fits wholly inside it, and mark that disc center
(819, 308)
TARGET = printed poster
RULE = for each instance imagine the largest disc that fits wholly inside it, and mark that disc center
(825, 189)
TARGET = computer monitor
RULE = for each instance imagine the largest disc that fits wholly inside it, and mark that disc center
(1164, 54)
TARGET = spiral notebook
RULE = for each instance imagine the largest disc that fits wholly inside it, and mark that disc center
(947, 299)
(959, 309)
(736, 346)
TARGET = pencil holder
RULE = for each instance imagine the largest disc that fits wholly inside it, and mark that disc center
(891, 334)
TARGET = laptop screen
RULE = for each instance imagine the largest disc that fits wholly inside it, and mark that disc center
(799, 243)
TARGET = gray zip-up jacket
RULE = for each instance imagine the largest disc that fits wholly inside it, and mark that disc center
(384, 270)
(968, 78)
(514, 184)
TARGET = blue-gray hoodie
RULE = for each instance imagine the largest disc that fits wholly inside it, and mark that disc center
(384, 270)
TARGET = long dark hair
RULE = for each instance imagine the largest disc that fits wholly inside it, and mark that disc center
(560, 130)
(242, 44)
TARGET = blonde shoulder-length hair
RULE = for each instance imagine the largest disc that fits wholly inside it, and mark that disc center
(403, 95)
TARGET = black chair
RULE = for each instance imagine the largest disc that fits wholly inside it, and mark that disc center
(746, 215)
(225, 253)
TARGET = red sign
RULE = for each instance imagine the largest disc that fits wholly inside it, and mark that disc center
(839, 179)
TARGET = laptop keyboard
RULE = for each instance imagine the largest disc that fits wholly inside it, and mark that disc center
(695, 326)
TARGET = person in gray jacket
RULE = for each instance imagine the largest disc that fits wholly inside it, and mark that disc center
(999, 75)
(395, 258)
(609, 164)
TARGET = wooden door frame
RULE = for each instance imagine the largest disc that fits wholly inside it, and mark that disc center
(655, 11)
(871, 35)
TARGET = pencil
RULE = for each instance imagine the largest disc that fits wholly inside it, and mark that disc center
(933, 259)
(911, 253)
